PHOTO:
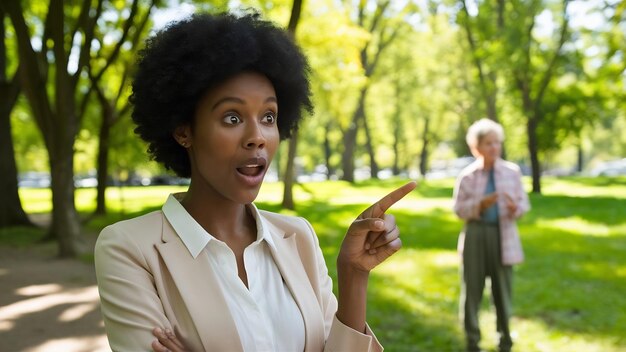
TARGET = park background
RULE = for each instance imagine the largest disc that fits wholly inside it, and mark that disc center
(395, 84)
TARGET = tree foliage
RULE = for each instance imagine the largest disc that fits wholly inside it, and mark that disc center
(395, 84)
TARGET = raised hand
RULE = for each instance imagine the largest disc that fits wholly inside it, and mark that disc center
(488, 200)
(510, 204)
(373, 236)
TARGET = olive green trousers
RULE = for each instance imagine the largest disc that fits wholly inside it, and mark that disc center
(482, 259)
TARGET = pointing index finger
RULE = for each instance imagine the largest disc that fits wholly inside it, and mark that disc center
(379, 208)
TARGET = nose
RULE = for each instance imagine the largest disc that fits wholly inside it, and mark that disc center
(254, 136)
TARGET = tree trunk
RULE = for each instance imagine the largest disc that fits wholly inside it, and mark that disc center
(370, 149)
(533, 151)
(288, 178)
(580, 161)
(490, 98)
(11, 211)
(54, 109)
(396, 149)
(103, 162)
(328, 152)
(288, 202)
(65, 222)
(397, 129)
(424, 153)
(277, 163)
(349, 139)
(347, 156)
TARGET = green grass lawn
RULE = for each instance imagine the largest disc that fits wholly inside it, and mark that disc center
(569, 295)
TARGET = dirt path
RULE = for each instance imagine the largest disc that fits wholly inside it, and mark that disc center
(48, 304)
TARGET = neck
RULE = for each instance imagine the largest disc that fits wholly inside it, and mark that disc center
(488, 163)
(222, 218)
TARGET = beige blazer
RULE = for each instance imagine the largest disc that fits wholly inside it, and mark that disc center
(147, 278)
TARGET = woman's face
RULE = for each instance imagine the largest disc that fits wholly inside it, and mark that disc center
(234, 137)
(490, 147)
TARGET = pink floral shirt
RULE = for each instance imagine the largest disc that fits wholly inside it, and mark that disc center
(469, 190)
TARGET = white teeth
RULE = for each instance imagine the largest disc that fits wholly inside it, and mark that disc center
(252, 165)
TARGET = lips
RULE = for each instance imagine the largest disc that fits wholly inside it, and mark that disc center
(252, 170)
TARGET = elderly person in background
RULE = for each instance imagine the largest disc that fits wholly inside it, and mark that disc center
(489, 196)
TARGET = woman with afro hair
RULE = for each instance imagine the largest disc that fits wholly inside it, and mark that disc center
(213, 95)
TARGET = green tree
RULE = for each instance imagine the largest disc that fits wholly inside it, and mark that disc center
(50, 75)
(607, 132)
(333, 44)
(383, 31)
(533, 70)
(11, 211)
(288, 178)
(109, 74)
(504, 36)
(484, 49)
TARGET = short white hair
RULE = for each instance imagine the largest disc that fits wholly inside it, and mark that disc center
(480, 129)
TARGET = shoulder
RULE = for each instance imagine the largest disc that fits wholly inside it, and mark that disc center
(470, 170)
(508, 166)
(146, 228)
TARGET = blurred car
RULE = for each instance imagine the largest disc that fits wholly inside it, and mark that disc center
(362, 173)
(610, 168)
(168, 180)
(85, 181)
(33, 179)
(385, 174)
(320, 173)
(448, 168)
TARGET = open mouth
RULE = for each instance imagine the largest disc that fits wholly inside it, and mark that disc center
(251, 170)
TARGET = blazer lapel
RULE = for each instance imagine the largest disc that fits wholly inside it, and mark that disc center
(291, 268)
(201, 294)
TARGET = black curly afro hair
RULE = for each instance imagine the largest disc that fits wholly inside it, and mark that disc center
(181, 62)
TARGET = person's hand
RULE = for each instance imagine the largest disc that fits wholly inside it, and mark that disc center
(511, 205)
(373, 236)
(167, 341)
(488, 200)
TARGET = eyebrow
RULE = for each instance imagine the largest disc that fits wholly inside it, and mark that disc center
(240, 101)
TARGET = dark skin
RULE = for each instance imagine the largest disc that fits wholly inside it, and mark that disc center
(237, 237)
(230, 145)
(232, 125)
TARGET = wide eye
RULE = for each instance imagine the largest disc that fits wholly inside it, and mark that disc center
(269, 118)
(232, 119)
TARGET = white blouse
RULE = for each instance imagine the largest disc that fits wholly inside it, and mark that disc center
(266, 314)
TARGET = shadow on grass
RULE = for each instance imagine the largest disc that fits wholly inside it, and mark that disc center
(572, 283)
(400, 326)
(568, 281)
(600, 210)
(21, 236)
(595, 181)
